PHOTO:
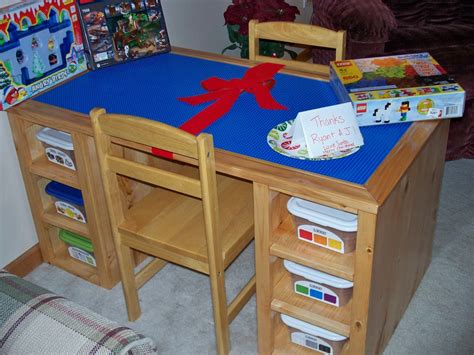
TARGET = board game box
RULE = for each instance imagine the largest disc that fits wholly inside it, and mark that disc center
(399, 88)
(40, 46)
(116, 31)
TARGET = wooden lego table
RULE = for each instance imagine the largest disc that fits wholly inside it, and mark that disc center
(392, 184)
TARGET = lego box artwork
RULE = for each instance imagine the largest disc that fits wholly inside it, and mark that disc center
(394, 89)
(118, 31)
(40, 46)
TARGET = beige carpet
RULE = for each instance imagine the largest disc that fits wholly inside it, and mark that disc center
(177, 309)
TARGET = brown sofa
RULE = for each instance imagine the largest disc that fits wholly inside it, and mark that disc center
(445, 28)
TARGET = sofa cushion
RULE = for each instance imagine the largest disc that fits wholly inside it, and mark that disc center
(430, 36)
(35, 321)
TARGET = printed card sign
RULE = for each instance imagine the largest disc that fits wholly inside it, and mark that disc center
(327, 130)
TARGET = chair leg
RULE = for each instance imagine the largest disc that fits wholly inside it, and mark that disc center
(219, 305)
(126, 265)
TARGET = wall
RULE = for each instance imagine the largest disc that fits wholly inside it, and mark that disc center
(17, 232)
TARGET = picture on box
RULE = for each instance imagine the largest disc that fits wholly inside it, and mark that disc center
(40, 45)
(118, 31)
(397, 88)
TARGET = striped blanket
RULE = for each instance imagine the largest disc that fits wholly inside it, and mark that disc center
(35, 321)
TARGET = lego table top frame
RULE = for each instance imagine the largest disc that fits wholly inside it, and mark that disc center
(384, 145)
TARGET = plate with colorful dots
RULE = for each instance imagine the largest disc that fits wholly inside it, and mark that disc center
(279, 139)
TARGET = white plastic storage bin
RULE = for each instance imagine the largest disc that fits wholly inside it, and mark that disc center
(319, 285)
(324, 226)
(58, 147)
(313, 337)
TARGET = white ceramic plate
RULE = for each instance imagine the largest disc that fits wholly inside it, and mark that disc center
(279, 140)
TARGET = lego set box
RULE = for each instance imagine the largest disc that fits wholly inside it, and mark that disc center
(399, 88)
(40, 46)
(116, 31)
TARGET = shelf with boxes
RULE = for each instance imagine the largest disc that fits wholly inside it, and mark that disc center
(311, 250)
(57, 159)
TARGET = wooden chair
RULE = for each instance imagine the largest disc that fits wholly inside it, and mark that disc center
(194, 218)
(298, 34)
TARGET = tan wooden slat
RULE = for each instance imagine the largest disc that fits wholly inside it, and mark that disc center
(298, 34)
(149, 271)
(241, 299)
(152, 133)
(307, 67)
(154, 176)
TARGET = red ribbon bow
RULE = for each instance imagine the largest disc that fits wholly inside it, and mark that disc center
(257, 81)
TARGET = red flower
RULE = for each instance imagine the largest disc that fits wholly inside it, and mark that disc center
(240, 14)
(275, 10)
(242, 11)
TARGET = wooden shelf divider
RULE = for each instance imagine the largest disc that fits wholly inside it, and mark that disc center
(53, 218)
(287, 246)
(43, 167)
(285, 300)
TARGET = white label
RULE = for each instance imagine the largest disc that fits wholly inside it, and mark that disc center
(311, 342)
(59, 157)
(101, 56)
(68, 210)
(327, 130)
(435, 113)
(81, 255)
(317, 292)
(321, 237)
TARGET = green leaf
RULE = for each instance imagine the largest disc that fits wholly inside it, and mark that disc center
(231, 47)
(234, 33)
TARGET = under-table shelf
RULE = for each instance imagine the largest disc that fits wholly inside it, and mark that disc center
(283, 344)
(285, 300)
(43, 167)
(285, 245)
(50, 216)
(64, 261)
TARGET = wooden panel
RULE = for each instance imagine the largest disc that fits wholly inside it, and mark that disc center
(334, 193)
(53, 117)
(285, 300)
(155, 176)
(391, 170)
(26, 262)
(95, 205)
(262, 210)
(403, 241)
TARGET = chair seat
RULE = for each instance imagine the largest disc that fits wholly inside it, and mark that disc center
(165, 221)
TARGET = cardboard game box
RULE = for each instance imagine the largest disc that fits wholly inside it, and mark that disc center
(40, 46)
(121, 30)
(399, 88)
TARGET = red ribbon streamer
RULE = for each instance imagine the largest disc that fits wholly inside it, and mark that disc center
(256, 81)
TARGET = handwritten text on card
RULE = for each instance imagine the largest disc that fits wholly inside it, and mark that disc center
(327, 130)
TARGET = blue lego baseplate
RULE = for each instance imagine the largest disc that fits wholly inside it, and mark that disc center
(150, 88)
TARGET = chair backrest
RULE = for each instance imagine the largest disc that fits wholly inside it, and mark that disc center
(129, 131)
(295, 33)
